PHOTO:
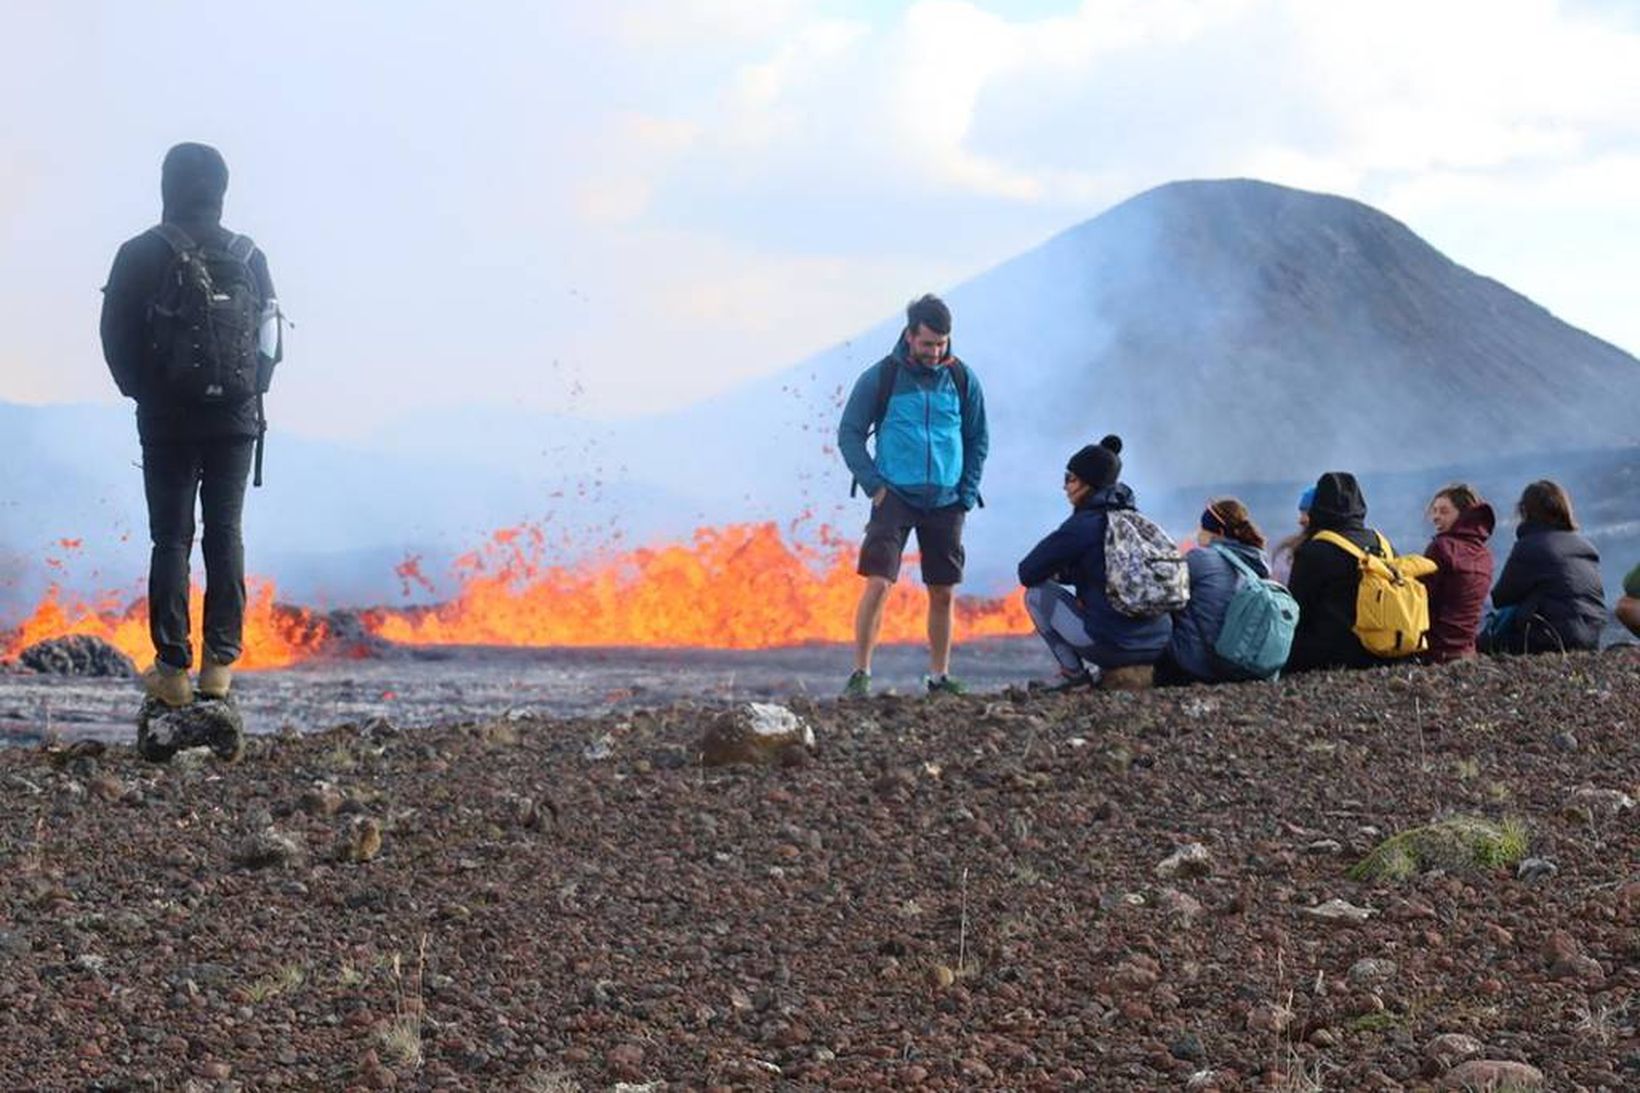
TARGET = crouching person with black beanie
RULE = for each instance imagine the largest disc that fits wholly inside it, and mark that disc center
(1064, 579)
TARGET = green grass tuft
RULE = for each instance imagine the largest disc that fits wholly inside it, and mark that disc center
(1457, 844)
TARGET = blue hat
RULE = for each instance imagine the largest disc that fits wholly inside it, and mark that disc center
(1306, 499)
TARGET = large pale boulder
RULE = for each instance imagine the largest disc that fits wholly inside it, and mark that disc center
(756, 732)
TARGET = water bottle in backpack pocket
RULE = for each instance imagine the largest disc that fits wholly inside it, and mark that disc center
(270, 344)
(204, 323)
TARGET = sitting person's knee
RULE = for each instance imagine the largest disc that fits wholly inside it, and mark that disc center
(1628, 613)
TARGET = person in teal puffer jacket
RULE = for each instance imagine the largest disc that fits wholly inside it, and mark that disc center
(1226, 525)
(927, 412)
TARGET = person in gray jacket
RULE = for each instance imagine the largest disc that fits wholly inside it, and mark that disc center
(1225, 525)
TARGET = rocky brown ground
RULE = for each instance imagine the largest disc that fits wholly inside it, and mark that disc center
(946, 893)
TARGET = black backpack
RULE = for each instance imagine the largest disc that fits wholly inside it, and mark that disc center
(203, 323)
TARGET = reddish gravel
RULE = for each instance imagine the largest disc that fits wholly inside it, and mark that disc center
(948, 893)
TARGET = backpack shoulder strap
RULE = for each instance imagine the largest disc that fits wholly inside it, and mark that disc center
(959, 376)
(1342, 543)
(178, 239)
(241, 247)
(888, 372)
(1235, 561)
(1383, 545)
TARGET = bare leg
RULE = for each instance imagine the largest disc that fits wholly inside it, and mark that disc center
(868, 621)
(941, 598)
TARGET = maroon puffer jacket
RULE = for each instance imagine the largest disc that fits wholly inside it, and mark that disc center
(1458, 589)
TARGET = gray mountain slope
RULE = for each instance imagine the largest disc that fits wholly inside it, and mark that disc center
(1230, 331)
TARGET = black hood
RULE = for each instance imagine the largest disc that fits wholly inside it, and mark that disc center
(1115, 496)
(192, 183)
(1338, 504)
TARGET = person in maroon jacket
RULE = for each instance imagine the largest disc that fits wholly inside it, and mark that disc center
(1457, 590)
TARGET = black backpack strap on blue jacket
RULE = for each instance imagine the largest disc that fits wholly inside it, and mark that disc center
(885, 391)
(891, 372)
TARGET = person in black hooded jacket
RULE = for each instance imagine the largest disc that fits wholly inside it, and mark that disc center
(1326, 579)
(1551, 582)
(188, 449)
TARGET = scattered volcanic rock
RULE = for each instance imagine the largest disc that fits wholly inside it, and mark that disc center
(1493, 1076)
(268, 849)
(162, 730)
(1450, 1049)
(1190, 860)
(757, 732)
(987, 919)
(1532, 870)
(360, 841)
(77, 655)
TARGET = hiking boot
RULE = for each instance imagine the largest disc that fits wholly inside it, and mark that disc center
(945, 685)
(215, 678)
(858, 685)
(169, 685)
(1067, 681)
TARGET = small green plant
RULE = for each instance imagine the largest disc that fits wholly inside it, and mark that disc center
(1467, 769)
(286, 980)
(1373, 1022)
(349, 975)
(1458, 844)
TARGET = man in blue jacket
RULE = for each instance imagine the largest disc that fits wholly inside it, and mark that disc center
(928, 414)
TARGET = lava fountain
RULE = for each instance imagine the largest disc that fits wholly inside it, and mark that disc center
(738, 586)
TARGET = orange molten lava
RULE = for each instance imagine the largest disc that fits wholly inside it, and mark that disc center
(275, 635)
(741, 586)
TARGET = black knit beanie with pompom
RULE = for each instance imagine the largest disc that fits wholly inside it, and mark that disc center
(1099, 465)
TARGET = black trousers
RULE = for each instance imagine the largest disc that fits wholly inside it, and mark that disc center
(174, 474)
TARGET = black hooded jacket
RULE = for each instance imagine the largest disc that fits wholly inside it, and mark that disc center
(1326, 579)
(192, 184)
(1553, 576)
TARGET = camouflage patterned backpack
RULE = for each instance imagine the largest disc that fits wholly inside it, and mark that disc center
(1145, 575)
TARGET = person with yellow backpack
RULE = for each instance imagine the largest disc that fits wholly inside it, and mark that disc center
(1359, 604)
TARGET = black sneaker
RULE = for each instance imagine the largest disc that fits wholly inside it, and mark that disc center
(858, 685)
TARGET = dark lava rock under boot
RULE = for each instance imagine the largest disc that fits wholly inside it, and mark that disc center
(77, 655)
(213, 723)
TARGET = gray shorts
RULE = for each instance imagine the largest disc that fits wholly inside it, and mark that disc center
(939, 540)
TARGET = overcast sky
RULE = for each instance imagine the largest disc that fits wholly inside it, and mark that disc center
(608, 209)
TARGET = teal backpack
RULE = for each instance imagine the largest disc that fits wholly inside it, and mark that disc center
(1258, 625)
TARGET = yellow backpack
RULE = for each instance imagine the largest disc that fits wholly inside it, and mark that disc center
(1392, 605)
